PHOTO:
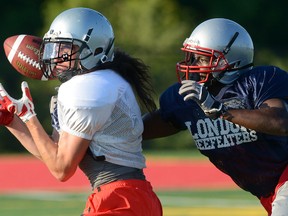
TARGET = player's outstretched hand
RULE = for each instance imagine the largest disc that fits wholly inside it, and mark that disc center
(23, 107)
(193, 90)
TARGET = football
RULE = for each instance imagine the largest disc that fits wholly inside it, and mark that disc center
(22, 51)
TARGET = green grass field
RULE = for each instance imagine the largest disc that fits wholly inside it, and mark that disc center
(175, 203)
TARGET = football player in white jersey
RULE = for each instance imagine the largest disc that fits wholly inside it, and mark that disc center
(99, 125)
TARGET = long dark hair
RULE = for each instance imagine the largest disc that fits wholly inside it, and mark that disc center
(137, 73)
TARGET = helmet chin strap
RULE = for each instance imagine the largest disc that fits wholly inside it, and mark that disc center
(68, 74)
(210, 81)
(221, 74)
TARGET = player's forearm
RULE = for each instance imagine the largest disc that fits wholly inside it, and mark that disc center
(46, 147)
(155, 127)
(54, 157)
(271, 121)
(22, 134)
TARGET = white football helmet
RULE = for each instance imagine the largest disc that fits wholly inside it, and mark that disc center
(228, 46)
(87, 37)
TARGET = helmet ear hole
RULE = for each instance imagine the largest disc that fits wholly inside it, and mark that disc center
(98, 51)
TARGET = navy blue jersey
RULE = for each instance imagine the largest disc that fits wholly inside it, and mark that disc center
(254, 160)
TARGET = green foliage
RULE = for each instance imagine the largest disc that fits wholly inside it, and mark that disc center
(152, 30)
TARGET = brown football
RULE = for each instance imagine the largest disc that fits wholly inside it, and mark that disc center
(22, 51)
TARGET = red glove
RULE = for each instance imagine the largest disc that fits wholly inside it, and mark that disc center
(5, 117)
(23, 107)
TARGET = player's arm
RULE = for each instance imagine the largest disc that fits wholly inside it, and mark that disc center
(156, 127)
(18, 128)
(61, 158)
(20, 131)
(14, 124)
(270, 118)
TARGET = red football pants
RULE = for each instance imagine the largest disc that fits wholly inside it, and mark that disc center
(267, 201)
(126, 197)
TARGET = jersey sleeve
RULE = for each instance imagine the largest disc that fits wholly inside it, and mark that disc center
(175, 110)
(84, 122)
(273, 83)
(85, 104)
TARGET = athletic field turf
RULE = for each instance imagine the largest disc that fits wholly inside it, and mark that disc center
(175, 203)
(185, 187)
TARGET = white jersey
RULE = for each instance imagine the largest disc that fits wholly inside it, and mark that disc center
(100, 106)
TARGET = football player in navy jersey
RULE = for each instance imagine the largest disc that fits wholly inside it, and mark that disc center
(236, 113)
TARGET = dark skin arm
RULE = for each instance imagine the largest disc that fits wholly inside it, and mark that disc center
(271, 118)
(155, 127)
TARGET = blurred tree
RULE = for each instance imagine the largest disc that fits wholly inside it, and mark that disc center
(18, 17)
(152, 30)
(265, 21)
